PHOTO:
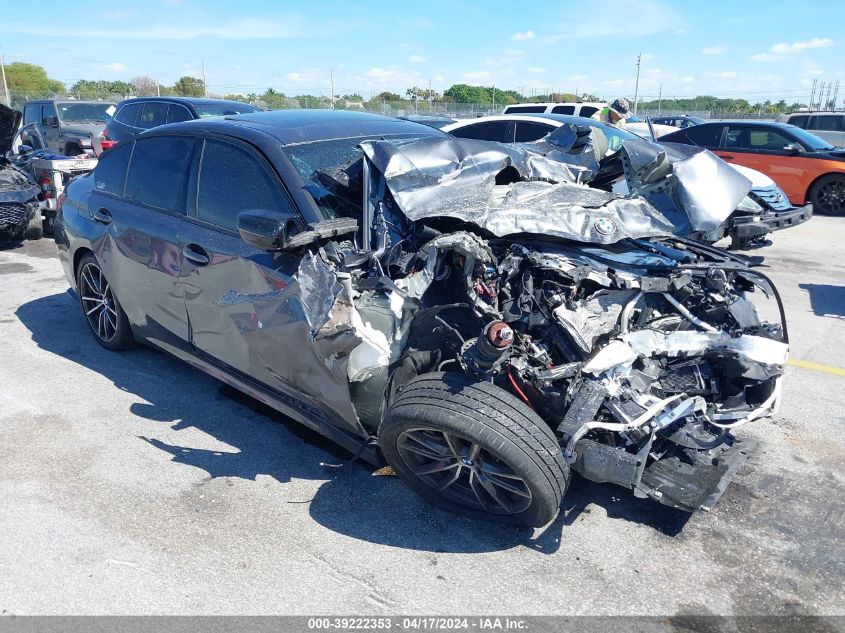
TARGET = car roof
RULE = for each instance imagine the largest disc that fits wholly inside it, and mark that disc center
(752, 123)
(185, 100)
(303, 126)
(67, 100)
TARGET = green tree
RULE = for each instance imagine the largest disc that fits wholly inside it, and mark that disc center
(87, 89)
(189, 87)
(31, 79)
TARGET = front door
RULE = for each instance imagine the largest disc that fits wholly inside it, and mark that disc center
(49, 127)
(245, 306)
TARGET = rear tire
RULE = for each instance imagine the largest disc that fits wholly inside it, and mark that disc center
(106, 320)
(472, 448)
(828, 195)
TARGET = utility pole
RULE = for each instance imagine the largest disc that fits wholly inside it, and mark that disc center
(835, 94)
(430, 96)
(204, 82)
(494, 98)
(660, 98)
(637, 84)
(158, 89)
(331, 79)
(813, 94)
(5, 85)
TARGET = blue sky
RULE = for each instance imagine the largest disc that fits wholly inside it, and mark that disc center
(756, 50)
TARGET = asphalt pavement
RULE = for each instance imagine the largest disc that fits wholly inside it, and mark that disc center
(131, 483)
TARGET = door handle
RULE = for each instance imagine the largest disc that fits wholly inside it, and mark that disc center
(196, 255)
(102, 215)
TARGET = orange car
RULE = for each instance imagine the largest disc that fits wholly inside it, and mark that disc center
(807, 168)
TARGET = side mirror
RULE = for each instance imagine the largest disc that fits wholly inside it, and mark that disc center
(25, 149)
(793, 148)
(50, 121)
(266, 230)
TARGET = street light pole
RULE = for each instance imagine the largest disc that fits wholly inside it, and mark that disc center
(5, 85)
(637, 85)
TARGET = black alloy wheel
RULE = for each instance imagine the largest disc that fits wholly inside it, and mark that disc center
(828, 195)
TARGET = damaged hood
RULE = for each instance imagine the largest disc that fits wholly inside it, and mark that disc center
(10, 121)
(523, 188)
(457, 178)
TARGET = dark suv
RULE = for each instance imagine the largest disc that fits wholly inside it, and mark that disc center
(68, 126)
(133, 116)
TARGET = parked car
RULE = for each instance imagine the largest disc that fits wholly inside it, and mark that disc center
(68, 127)
(351, 271)
(828, 126)
(764, 210)
(133, 116)
(681, 121)
(19, 205)
(588, 109)
(807, 168)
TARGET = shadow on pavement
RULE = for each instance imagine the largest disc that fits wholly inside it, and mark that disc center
(826, 300)
(352, 501)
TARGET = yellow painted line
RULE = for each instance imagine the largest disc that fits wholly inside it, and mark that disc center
(836, 371)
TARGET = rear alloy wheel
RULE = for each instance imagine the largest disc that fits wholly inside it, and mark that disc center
(472, 448)
(828, 195)
(106, 319)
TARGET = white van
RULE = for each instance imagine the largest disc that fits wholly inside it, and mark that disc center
(588, 109)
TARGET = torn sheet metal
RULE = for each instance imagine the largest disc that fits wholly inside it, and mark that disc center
(590, 319)
(645, 343)
(456, 178)
(685, 178)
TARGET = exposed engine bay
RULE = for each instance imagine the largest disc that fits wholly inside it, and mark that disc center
(642, 351)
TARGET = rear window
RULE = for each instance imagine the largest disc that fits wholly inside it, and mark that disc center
(524, 109)
(587, 111)
(563, 110)
(176, 113)
(800, 120)
(528, 131)
(30, 114)
(153, 115)
(158, 172)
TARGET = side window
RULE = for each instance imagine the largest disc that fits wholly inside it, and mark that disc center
(527, 131)
(829, 123)
(48, 110)
(232, 180)
(176, 113)
(128, 114)
(705, 135)
(30, 114)
(153, 115)
(564, 109)
(524, 109)
(587, 111)
(110, 174)
(158, 172)
(487, 131)
(800, 121)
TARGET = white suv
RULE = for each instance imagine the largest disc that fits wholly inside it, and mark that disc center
(587, 109)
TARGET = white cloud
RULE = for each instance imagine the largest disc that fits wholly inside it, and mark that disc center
(797, 47)
(521, 37)
(477, 75)
(766, 57)
(416, 59)
(713, 50)
(380, 73)
(536, 70)
(115, 66)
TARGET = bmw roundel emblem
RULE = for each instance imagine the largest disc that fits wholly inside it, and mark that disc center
(605, 226)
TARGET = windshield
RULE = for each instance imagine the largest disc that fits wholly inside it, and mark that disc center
(206, 110)
(809, 140)
(84, 112)
(311, 158)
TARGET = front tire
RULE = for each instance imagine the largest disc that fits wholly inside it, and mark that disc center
(106, 319)
(472, 448)
(828, 195)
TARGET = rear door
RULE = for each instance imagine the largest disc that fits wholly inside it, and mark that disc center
(830, 127)
(762, 148)
(500, 131)
(245, 307)
(145, 216)
(527, 131)
(49, 126)
(125, 123)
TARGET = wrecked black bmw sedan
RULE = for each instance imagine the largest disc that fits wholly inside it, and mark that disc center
(18, 191)
(463, 310)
